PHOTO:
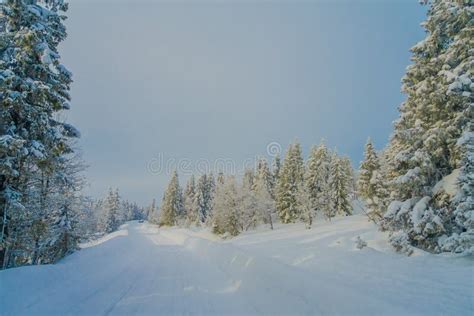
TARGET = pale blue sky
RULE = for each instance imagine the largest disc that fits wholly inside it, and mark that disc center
(221, 79)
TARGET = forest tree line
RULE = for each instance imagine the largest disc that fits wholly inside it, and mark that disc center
(289, 191)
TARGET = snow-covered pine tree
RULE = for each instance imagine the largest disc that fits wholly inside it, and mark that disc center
(291, 175)
(202, 198)
(263, 177)
(205, 190)
(226, 216)
(371, 183)
(340, 182)
(86, 218)
(265, 205)
(63, 219)
(250, 214)
(172, 208)
(34, 89)
(152, 213)
(248, 178)
(305, 206)
(263, 192)
(317, 179)
(109, 221)
(351, 181)
(190, 202)
(276, 166)
(425, 153)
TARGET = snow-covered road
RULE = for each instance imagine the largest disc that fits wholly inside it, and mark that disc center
(141, 270)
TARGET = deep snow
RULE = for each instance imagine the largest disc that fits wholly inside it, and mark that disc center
(143, 270)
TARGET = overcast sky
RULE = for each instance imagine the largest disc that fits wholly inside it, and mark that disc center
(208, 80)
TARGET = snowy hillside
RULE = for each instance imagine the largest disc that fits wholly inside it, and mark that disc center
(143, 270)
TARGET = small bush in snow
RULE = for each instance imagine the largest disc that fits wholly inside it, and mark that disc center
(401, 242)
(360, 243)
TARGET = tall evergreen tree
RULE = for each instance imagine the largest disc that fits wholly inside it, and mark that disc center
(291, 176)
(425, 148)
(110, 214)
(250, 214)
(248, 178)
(226, 217)
(263, 189)
(371, 185)
(190, 202)
(263, 177)
(172, 208)
(339, 186)
(304, 204)
(205, 190)
(317, 179)
(34, 89)
(152, 213)
(276, 166)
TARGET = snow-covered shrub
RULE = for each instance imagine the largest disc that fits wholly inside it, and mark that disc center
(360, 243)
(401, 242)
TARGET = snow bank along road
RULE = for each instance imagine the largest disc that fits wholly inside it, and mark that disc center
(142, 270)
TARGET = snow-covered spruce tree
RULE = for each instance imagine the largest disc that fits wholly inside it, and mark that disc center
(250, 214)
(152, 213)
(371, 184)
(203, 199)
(211, 187)
(87, 218)
(248, 178)
(265, 205)
(291, 175)
(172, 208)
(351, 174)
(190, 202)
(250, 210)
(263, 176)
(205, 190)
(276, 166)
(54, 202)
(316, 179)
(263, 191)
(425, 153)
(304, 204)
(109, 220)
(340, 182)
(33, 89)
(66, 206)
(226, 216)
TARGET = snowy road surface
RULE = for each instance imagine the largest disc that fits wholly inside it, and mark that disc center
(141, 270)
